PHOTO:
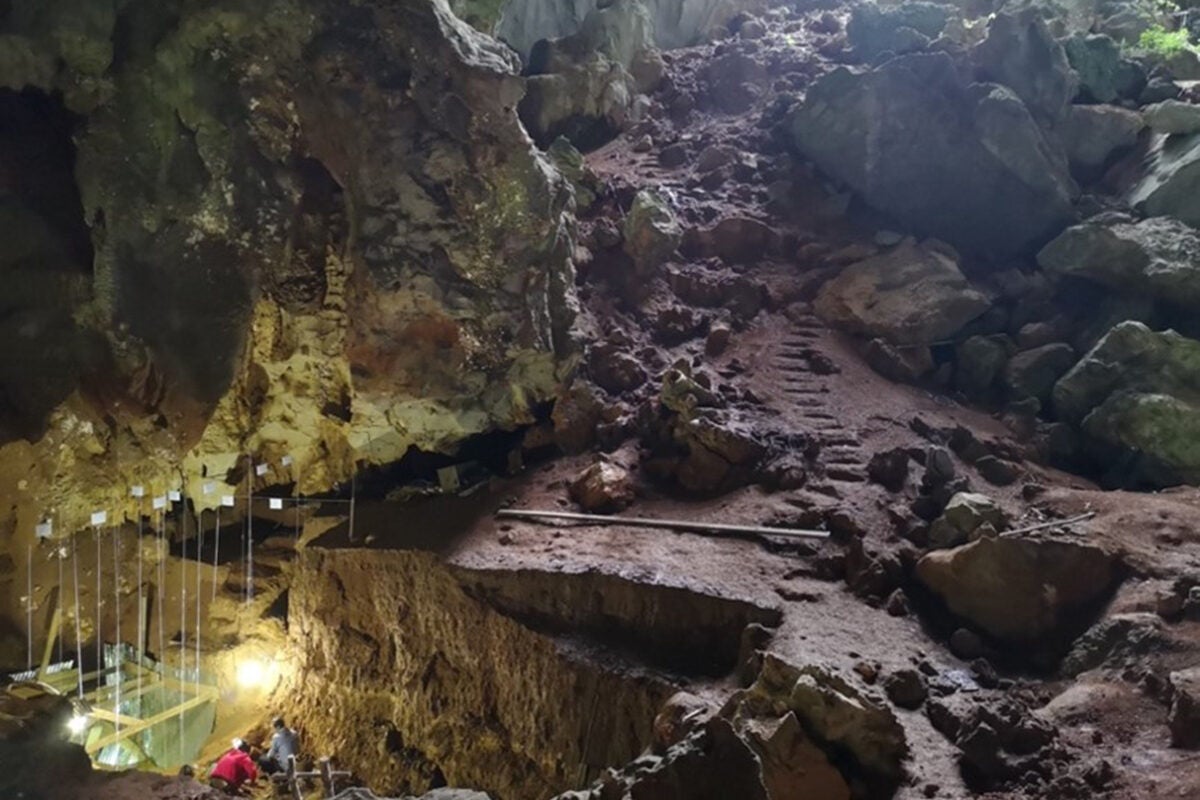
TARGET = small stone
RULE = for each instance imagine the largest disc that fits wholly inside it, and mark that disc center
(1184, 716)
(897, 604)
(966, 644)
(643, 145)
(717, 340)
(713, 157)
(752, 29)
(997, 471)
(939, 466)
(888, 238)
(867, 671)
(673, 155)
(505, 539)
(603, 487)
(889, 468)
(906, 688)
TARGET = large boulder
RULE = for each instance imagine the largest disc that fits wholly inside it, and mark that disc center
(1020, 53)
(1134, 395)
(1094, 135)
(1170, 180)
(1157, 256)
(913, 294)
(1184, 716)
(675, 23)
(1033, 373)
(1019, 590)
(652, 232)
(1104, 75)
(962, 161)
(877, 29)
(1173, 117)
(582, 86)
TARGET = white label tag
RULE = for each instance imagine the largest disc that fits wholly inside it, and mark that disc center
(260, 470)
(276, 504)
(286, 461)
(175, 496)
(99, 517)
(44, 530)
(159, 502)
(137, 491)
(208, 488)
(227, 500)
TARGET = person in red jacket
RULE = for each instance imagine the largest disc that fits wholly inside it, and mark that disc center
(234, 769)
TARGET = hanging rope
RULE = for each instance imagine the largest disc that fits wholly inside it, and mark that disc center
(117, 658)
(29, 606)
(216, 549)
(141, 609)
(199, 562)
(78, 624)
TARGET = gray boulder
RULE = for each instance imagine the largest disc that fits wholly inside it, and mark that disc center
(1159, 257)
(1174, 117)
(978, 362)
(651, 231)
(875, 29)
(1033, 373)
(912, 294)
(965, 514)
(1020, 53)
(1104, 76)
(583, 86)
(964, 162)
(1134, 395)
(1170, 181)
(1094, 135)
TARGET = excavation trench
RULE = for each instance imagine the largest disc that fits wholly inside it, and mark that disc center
(415, 672)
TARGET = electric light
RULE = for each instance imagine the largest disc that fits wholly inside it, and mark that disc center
(77, 724)
(251, 674)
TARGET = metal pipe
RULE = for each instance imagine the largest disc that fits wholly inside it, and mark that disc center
(673, 524)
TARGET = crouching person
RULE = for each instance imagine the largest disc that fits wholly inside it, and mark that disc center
(234, 770)
(284, 744)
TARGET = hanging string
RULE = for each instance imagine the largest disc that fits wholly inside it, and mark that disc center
(118, 658)
(141, 611)
(29, 605)
(216, 549)
(78, 624)
(182, 621)
(99, 596)
(249, 547)
(199, 563)
(61, 552)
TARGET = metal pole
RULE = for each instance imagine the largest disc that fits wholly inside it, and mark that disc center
(99, 594)
(216, 548)
(249, 529)
(78, 626)
(641, 522)
(141, 634)
(182, 622)
(161, 591)
(60, 552)
(29, 603)
(199, 563)
(117, 655)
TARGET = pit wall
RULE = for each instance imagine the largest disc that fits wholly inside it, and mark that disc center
(402, 674)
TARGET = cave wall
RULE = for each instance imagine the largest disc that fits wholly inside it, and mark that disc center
(403, 673)
(318, 230)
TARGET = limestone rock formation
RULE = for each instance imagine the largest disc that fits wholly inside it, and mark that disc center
(651, 231)
(1019, 590)
(912, 135)
(582, 86)
(1094, 135)
(318, 232)
(913, 294)
(965, 514)
(1020, 53)
(874, 30)
(1104, 75)
(1157, 256)
(1168, 185)
(1133, 394)
(1173, 117)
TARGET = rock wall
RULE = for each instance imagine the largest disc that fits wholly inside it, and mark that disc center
(404, 675)
(318, 231)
